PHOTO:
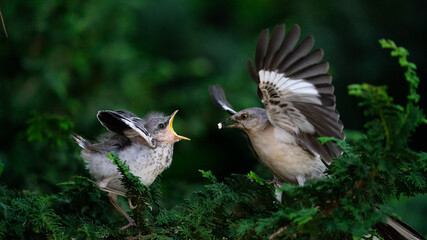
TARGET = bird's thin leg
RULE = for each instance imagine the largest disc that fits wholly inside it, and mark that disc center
(111, 190)
(112, 196)
(277, 185)
(278, 191)
(102, 185)
(301, 180)
(113, 199)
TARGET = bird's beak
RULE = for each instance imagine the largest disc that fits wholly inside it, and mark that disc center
(221, 124)
(173, 131)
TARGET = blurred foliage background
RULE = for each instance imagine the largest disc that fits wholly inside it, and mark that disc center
(65, 60)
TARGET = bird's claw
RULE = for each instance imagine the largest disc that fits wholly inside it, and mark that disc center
(149, 206)
(131, 206)
(275, 182)
(130, 224)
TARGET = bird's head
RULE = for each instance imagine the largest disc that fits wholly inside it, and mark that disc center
(250, 119)
(161, 128)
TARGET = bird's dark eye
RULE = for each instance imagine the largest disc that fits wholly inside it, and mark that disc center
(161, 125)
(244, 116)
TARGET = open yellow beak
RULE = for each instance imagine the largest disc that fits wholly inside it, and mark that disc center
(173, 131)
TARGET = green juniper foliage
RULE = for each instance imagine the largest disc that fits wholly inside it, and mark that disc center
(48, 128)
(142, 196)
(376, 168)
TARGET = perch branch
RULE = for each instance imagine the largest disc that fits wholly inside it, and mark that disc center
(4, 26)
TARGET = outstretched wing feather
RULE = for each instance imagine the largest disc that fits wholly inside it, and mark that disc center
(261, 47)
(274, 45)
(121, 121)
(288, 44)
(296, 90)
(300, 51)
(304, 62)
(313, 70)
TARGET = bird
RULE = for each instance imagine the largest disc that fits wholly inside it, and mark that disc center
(299, 107)
(146, 144)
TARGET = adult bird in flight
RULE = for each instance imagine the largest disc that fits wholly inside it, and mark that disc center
(299, 107)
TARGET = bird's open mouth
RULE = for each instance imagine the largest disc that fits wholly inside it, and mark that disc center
(173, 131)
(226, 121)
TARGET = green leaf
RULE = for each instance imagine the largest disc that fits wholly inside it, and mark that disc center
(303, 216)
(253, 176)
(288, 188)
(208, 174)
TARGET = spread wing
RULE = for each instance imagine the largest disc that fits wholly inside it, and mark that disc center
(219, 99)
(296, 90)
(125, 123)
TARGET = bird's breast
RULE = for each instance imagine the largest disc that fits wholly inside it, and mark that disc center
(148, 163)
(277, 149)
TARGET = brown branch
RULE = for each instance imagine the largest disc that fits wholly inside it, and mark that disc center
(4, 26)
(139, 235)
(272, 236)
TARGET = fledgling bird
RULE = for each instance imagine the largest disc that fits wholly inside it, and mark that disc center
(299, 107)
(145, 144)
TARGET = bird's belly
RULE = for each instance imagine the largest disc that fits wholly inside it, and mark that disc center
(287, 160)
(142, 161)
(147, 165)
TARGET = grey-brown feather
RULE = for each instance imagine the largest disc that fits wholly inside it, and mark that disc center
(394, 229)
(310, 71)
(295, 62)
(113, 120)
(304, 62)
(320, 79)
(218, 98)
(288, 44)
(261, 47)
(128, 124)
(274, 45)
(252, 71)
(330, 126)
(302, 50)
(108, 142)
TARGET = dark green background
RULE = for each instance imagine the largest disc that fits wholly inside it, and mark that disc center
(73, 58)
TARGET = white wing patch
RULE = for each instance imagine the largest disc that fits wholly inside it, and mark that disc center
(144, 134)
(290, 89)
(279, 93)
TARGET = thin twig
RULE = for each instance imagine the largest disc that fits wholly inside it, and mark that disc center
(140, 236)
(4, 27)
(278, 232)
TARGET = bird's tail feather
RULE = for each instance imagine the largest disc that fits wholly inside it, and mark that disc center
(218, 98)
(83, 143)
(395, 229)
